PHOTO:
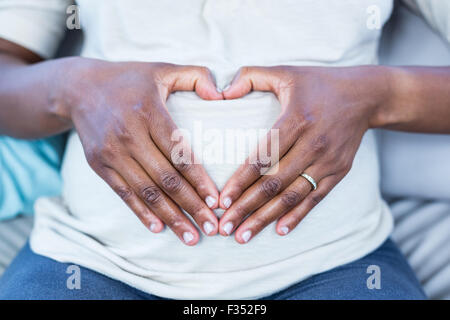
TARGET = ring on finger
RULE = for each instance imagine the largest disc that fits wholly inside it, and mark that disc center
(310, 180)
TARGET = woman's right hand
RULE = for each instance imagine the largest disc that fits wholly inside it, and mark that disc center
(119, 112)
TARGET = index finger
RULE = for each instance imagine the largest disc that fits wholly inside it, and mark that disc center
(283, 134)
(276, 144)
(162, 128)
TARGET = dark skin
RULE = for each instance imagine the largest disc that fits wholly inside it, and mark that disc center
(325, 113)
(118, 110)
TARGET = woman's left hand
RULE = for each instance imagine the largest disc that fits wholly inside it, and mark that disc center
(325, 113)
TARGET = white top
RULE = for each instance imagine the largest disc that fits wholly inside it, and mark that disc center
(92, 227)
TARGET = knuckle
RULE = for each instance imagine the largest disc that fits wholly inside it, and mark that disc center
(306, 121)
(286, 82)
(240, 211)
(151, 195)
(106, 153)
(200, 186)
(298, 124)
(341, 164)
(93, 159)
(258, 167)
(289, 73)
(204, 71)
(316, 198)
(175, 222)
(92, 152)
(320, 144)
(161, 69)
(271, 187)
(182, 166)
(98, 157)
(125, 193)
(347, 167)
(280, 69)
(197, 213)
(124, 135)
(244, 70)
(171, 182)
(143, 112)
(180, 156)
(290, 198)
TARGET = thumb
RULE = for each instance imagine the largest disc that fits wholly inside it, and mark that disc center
(250, 79)
(198, 79)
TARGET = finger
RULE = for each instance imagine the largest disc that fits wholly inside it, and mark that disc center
(291, 219)
(282, 136)
(160, 204)
(176, 150)
(186, 163)
(193, 78)
(252, 78)
(126, 193)
(288, 128)
(174, 185)
(267, 187)
(274, 209)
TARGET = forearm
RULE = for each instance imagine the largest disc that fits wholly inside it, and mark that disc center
(418, 100)
(31, 97)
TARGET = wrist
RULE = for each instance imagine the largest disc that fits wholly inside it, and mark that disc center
(62, 86)
(378, 87)
(69, 86)
(391, 82)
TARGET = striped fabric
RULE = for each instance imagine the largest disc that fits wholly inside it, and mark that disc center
(13, 235)
(422, 233)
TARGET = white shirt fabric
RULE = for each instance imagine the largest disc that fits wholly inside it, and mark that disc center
(92, 227)
(435, 12)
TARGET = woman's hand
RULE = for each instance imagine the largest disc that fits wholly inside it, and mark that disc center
(119, 112)
(325, 113)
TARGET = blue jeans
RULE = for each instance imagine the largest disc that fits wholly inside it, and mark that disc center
(32, 276)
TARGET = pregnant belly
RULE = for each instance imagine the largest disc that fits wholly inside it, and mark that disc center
(221, 133)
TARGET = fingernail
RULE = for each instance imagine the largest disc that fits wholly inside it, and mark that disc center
(208, 227)
(226, 87)
(228, 227)
(246, 235)
(210, 201)
(188, 237)
(153, 227)
(219, 90)
(284, 230)
(227, 202)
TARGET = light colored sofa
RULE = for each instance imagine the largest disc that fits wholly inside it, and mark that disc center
(415, 168)
(421, 209)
